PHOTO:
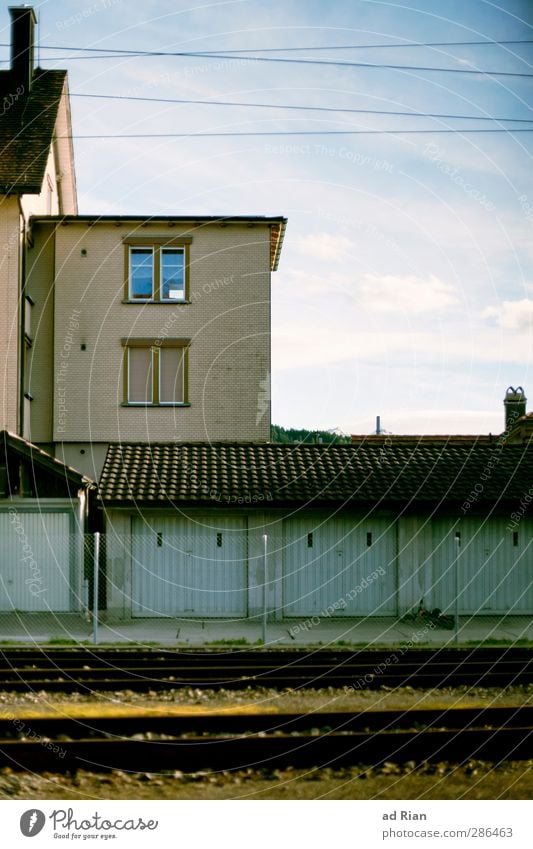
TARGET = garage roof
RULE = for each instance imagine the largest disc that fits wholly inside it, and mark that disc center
(39, 463)
(222, 474)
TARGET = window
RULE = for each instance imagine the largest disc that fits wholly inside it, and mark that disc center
(155, 372)
(157, 270)
(141, 273)
(172, 274)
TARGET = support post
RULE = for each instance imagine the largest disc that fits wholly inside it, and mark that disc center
(456, 616)
(264, 617)
(96, 576)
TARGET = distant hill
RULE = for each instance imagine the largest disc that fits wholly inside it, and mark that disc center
(296, 435)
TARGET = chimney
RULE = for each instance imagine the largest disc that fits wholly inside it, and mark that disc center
(23, 22)
(515, 405)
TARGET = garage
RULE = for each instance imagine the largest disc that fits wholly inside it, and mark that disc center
(193, 567)
(37, 559)
(494, 566)
(339, 567)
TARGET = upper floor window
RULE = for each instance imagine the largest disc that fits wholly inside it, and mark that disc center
(157, 270)
(142, 273)
(156, 372)
(172, 274)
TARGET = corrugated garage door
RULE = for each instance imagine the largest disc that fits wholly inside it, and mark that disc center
(36, 571)
(340, 567)
(494, 566)
(185, 567)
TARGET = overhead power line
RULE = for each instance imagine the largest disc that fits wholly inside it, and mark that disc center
(238, 133)
(290, 106)
(344, 64)
(407, 44)
(288, 60)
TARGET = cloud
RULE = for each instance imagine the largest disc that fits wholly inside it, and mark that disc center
(327, 246)
(411, 294)
(512, 315)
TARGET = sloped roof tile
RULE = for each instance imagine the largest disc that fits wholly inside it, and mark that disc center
(265, 473)
(26, 131)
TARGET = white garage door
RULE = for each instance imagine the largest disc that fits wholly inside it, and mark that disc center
(36, 562)
(494, 566)
(185, 567)
(339, 567)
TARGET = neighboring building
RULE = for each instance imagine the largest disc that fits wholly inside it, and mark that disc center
(43, 503)
(149, 329)
(43, 513)
(352, 530)
(36, 177)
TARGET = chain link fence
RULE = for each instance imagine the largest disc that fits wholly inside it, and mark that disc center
(52, 586)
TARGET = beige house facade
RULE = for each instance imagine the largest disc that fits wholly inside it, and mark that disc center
(148, 330)
(36, 177)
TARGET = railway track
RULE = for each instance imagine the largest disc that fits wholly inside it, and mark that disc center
(236, 740)
(86, 669)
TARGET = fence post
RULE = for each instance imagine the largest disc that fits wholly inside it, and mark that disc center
(456, 611)
(96, 570)
(264, 617)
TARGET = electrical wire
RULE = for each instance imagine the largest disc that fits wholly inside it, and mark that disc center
(239, 133)
(288, 60)
(297, 107)
(408, 44)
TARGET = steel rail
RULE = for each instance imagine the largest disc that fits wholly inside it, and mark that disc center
(87, 669)
(270, 741)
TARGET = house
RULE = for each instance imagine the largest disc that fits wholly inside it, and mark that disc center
(36, 176)
(149, 329)
(136, 328)
(44, 504)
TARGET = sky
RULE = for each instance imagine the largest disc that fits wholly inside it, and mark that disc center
(405, 286)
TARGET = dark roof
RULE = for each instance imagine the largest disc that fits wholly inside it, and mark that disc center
(277, 224)
(11, 443)
(26, 131)
(261, 474)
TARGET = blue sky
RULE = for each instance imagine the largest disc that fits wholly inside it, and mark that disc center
(405, 286)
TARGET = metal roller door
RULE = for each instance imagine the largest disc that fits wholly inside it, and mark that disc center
(494, 566)
(185, 567)
(36, 563)
(339, 567)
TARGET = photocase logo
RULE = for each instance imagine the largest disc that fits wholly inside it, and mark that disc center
(32, 822)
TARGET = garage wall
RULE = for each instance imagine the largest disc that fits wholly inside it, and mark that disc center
(189, 567)
(40, 558)
(342, 566)
(338, 572)
(493, 564)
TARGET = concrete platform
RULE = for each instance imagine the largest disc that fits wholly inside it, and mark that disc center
(63, 629)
